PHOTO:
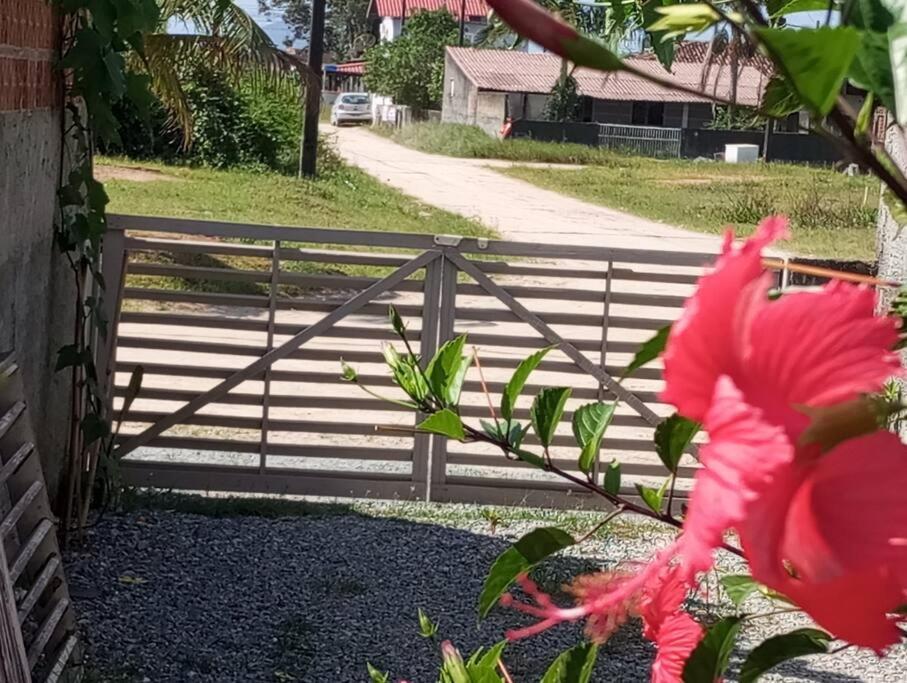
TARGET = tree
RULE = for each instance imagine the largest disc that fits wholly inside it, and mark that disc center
(226, 40)
(347, 31)
(563, 103)
(411, 68)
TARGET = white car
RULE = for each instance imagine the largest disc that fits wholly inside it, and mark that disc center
(351, 107)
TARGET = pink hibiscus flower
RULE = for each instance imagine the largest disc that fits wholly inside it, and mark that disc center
(822, 518)
(608, 599)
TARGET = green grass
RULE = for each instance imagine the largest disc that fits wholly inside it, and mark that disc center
(341, 197)
(460, 140)
(832, 215)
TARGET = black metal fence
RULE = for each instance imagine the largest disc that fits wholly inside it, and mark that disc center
(694, 142)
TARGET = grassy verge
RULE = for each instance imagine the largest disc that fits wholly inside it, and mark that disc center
(831, 215)
(460, 140)
(341, 197)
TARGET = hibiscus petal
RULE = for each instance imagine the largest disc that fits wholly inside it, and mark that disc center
(850, 514)
(743, 457)
(818, 348)
(677, 638)
(701, 345)
(852, 607)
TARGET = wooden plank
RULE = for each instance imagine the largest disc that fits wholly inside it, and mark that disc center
(15, 461)
(225, 274)
(562, 318)
(45, 578)
(46, 630)
(193, 246)
(286, 481)
(14, 666)
(627, 469)
(28, 549)
(282, 449)
(15, 514)
(10, 417)
(447, 321)
(201, 298)
(367, 238)
(431, 309)
(574, 295)
(568, 349)
(273, 292)
(282, 351)
(61, 660)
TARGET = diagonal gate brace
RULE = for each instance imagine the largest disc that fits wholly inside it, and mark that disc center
(282, 351)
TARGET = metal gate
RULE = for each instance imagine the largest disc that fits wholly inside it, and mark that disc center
(240, 330)
(650, 141)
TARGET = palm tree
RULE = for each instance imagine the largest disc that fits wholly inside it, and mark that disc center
(225, 39)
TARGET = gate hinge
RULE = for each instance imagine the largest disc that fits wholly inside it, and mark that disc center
(448, 240)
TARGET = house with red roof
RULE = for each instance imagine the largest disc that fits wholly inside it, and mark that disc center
(391, 15)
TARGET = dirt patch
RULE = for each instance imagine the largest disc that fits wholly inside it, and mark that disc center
(135, 174)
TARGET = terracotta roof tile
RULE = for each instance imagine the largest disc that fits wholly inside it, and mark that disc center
(510, 71)
(394, 8)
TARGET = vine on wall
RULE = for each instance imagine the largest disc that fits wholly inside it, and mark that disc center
(97, 35)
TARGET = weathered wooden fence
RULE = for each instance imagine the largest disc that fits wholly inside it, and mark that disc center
(240, 330)
(37, 627)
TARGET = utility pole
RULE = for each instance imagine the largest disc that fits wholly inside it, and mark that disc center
(309, 158)
(403, 17)
(462, 21)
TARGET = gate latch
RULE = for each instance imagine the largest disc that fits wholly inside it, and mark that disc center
(448, 240)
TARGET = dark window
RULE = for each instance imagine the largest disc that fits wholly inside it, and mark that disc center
(648, 114)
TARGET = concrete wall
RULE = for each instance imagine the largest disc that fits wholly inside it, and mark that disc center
(36, 291)
(458, 102)
(490, 111)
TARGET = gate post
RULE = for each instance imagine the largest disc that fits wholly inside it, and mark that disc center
(428, 345)
(446, 322)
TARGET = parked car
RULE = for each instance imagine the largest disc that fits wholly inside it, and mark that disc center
(351, 107)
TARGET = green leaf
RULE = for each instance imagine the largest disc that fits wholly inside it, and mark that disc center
(68, 356)
(649, 351)
(546, 412)
(780, 8)
(482, 666)
(447, 370)
(709, 660)
(445, 422)
(138, 90)
(772, 651)
(518, 381)
(376, 676)
(573, 666)
(677, 20)
(870, 15)
(897, 40)
(815, 61)
(391, 356)
(517, 434)
(492, 429)
(396, 322)
(864, 118)
(653, 498)
(94, 428)
(739, 587)
(872, 68)
(519, 559)
(349, 373)
(453, 669)
(427, 628)
(612, 478)
(672, 438)
(780, 99)
(132, 390)
(528, 456)
(589, 424)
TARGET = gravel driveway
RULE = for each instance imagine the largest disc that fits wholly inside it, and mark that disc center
(172, 596)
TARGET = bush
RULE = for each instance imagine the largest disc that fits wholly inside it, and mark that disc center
(244, 126)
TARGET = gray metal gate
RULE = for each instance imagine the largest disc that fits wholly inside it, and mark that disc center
(650, 141)
(240, 330)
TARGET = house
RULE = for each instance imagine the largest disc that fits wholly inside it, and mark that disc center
(343, 77)
(484, 87)
(391, 15)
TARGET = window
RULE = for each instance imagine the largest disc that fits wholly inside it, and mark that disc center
(354, 99)
(453, 88)
(648, 114)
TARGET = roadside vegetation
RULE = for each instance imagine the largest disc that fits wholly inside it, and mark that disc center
(832, 215)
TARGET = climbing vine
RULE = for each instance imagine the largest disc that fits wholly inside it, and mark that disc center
(97, 35)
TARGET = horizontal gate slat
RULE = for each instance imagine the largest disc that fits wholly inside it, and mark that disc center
(280, 449)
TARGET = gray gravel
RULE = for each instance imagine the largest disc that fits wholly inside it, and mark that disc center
(168, 596)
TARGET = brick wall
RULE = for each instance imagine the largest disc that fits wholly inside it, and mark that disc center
(29, 37)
